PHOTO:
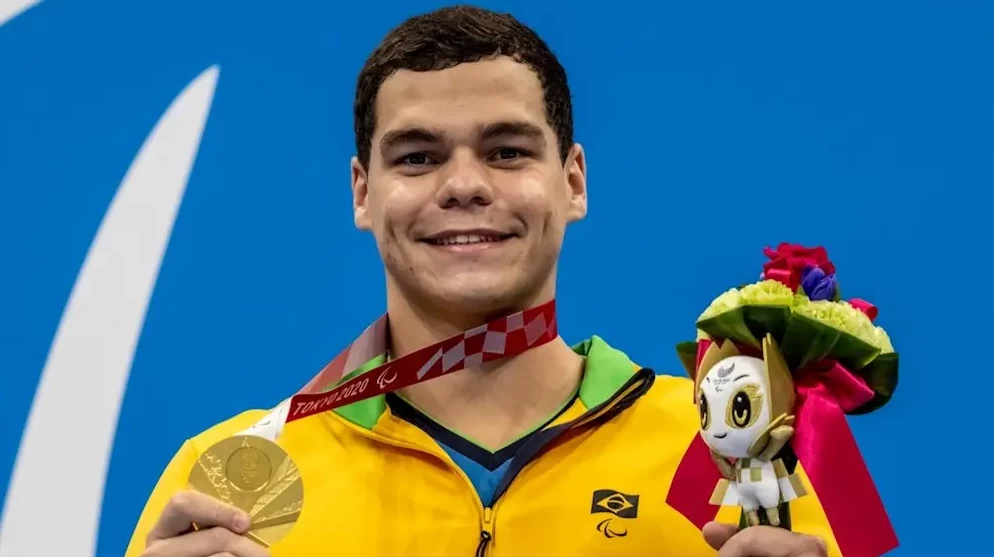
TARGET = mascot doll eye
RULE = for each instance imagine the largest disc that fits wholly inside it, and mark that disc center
(702, 405)
(744, 407)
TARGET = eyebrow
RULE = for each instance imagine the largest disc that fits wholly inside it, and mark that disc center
(521, 129)
(743, 376)
(395, 138)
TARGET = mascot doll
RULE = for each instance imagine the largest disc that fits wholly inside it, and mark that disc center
(778, 366)
(745, 404)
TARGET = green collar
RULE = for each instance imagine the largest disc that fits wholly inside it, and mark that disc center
(606, 371)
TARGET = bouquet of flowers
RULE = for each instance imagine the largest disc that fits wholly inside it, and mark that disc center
(777, 366)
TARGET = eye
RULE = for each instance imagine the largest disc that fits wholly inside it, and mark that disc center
(744, 407)
(508, 154)
(741, 409)
(702, 406)
(415, 159)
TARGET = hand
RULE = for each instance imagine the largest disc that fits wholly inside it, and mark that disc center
(219, 535)
(761, 541)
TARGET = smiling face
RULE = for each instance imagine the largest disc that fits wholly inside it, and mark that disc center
(465, 191)
(734, 405)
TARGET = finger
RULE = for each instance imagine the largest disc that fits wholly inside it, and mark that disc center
(716, 534)
(189, 507)
(769, 541)
(206, 543)
(822, 546)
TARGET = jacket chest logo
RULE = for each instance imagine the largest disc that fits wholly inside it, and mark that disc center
(621, 506)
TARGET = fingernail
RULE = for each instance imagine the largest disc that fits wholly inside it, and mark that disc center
(241, 522)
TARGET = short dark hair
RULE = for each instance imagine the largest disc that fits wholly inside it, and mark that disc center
(454, 35)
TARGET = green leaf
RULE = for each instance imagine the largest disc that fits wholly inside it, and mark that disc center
(767, 319)
(730, 325)
(687, 352)
(853, 352)
(807, 341)
(881, 376)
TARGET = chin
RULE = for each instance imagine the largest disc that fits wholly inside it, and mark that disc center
(478, 291)
(477, 300)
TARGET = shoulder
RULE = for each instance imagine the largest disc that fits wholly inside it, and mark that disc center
(231, 426)
(673, 387)
(669, 403)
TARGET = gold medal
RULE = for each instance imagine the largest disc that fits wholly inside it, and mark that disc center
(256, 476)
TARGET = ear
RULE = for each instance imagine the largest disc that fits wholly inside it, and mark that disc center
(781, 399)
(576, 182)
(360, 194)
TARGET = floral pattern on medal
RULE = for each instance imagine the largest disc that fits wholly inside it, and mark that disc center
(257, 476)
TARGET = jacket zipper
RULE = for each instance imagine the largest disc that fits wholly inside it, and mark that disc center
(486, 532)
(486, 513)
(632, 391)
(637, 386)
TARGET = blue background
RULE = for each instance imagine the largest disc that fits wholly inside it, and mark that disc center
(712, 130)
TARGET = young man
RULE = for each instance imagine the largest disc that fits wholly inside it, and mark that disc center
(467, 175)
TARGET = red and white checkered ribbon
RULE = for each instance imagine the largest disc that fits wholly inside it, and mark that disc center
(501, 338)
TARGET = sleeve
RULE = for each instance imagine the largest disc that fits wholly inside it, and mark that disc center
(173, 480)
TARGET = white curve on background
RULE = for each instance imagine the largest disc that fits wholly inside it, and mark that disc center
(56, 489)
(9, 9)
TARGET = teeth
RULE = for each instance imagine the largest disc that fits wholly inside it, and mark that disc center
(466, 239)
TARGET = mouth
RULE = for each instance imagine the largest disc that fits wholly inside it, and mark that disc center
(722, 436)
(467, 239)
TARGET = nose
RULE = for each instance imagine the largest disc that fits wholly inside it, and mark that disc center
(464, 182)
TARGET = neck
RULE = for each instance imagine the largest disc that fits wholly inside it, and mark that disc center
(497, 402)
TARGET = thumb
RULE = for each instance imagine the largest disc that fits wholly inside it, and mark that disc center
(716, 533)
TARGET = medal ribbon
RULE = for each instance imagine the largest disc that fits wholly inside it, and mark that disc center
(501, 338)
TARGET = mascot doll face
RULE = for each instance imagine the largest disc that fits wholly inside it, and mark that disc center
(733, 400)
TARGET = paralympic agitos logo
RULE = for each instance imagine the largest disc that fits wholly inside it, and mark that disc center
(98, 330)
(620, 505)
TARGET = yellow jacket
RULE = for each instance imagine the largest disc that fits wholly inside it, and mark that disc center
(593, 482)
